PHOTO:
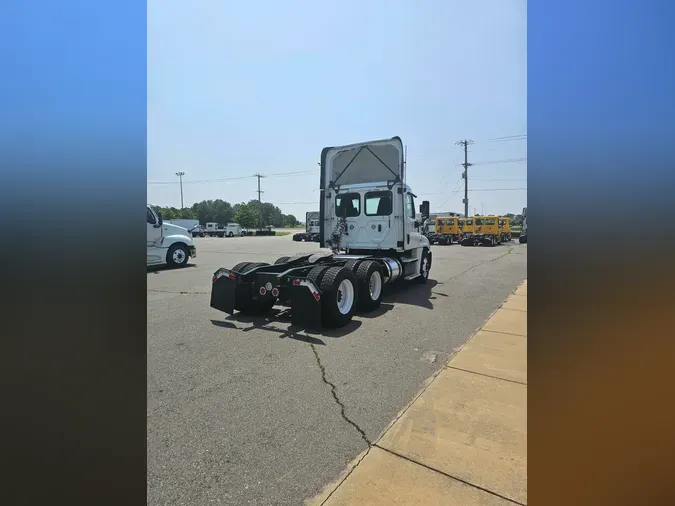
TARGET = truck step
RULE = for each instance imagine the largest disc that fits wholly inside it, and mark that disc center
(412, 276)
(407, 260)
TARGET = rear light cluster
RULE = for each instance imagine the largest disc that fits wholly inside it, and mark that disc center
(216, 277)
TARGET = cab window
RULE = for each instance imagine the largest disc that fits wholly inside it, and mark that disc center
(378, 203)
(348, 205)
(410, 206)
(479, 221)
(489, 222)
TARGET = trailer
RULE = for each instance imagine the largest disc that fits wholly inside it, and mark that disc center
(369, 237)
(312, 228)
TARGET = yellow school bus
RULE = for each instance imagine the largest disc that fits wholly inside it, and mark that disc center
(447, 229)
(505, 226)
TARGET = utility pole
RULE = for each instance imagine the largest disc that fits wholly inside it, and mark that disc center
(180, 176)
(466, 166)
(260, 212)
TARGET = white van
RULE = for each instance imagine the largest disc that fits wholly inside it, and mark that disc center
(168, 244)
(232, 229)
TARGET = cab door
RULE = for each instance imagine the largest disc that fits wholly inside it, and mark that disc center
(413, 236)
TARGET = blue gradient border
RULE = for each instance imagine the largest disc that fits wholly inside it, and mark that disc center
(72, 184)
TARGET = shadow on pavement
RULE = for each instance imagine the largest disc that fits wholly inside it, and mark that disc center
(412, 294)
(156, 269)
(282, 316)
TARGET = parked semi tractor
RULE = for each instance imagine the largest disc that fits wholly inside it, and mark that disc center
(505, 228)
(369, 238)
(311, 233)
(168, 244)
(447, 230)
(486, 232)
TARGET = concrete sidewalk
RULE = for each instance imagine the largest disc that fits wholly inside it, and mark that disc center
(463, 440)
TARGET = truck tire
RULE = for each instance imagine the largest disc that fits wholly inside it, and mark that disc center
(353, 265)
(281, 260)
(241, 267)
(231, 234)
(177, 256)
(425, 267)
(370, 284)
(316, 274)
(244, 301)
(339, 297)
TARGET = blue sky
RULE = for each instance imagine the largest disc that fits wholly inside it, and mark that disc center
(263, 87)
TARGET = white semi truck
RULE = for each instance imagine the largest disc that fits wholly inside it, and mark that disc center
(312, 228)
(168, 244)
(369, 237)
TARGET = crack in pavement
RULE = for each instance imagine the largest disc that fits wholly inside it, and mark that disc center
(333, 391)
(478, 265)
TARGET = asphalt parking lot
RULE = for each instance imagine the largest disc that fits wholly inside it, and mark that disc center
(252, 411)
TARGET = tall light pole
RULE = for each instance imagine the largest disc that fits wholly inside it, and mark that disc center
(180, 177)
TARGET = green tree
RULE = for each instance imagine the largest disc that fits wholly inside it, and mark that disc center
(246, 216)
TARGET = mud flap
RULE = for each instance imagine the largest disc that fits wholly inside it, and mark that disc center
(305, 309)
(223, 292)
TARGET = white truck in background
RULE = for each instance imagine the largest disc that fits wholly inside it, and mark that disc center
(312, 228)
(192, 226)
(229, 230)
(167, 244)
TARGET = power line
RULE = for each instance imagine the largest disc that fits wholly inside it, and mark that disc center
(506, 160)
(499, 179)
(239, 178)
(506, 138)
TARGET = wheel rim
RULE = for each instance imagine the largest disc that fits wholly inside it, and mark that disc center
(345, 296)
(375, 285)
(179, 256)
(425, 267)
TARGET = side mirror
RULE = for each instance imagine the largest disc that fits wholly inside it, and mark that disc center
(424, 209)
(160, 221)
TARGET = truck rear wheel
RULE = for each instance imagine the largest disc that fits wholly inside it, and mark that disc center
(370, 283)
(339, 297)
(316, 274)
